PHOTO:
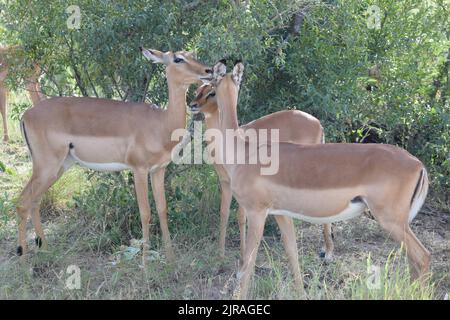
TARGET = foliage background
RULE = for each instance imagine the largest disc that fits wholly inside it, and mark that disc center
(310, 55)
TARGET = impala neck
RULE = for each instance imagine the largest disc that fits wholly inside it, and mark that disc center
(227, 102)
(212, 120)
(176, 109)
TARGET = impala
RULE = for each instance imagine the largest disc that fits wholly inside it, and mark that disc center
(322, 183)
(108, 135)
(294, 126)
(32, 86)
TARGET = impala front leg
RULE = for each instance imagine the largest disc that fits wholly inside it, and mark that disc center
(256, 221)
(288, 235)
(141, 186)
(327, 250)
(242, 220)
(225, 203)
(161, 207)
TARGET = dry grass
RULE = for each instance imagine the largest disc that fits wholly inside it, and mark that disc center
(199, 273)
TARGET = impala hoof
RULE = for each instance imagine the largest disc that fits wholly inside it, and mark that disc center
(327, 257)
(38, 241)
(19, 251)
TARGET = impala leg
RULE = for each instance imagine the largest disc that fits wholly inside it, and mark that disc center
(4, 113)
(242, 220)
(23, 211)
(398, 228)
(41, 241)
(141, 186)
(256, 222)
(418, 255)
(225, 203)
(286, 225)
(327, 251)
(41, 180)
(161, 206)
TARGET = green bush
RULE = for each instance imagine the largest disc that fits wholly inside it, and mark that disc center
(110, 203)
(306, 54)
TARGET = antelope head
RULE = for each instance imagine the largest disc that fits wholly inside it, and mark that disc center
(181, 66)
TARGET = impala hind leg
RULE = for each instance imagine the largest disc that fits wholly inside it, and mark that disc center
(225, 202)
(418, 255)
(41, 180)
(397, 226)
(157, 178)
(4, 113)
(286, 225)
(141, 186)
(40, 240)
(327, 250)
(256, 222)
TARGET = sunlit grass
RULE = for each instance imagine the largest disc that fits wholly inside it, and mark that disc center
(391, 281)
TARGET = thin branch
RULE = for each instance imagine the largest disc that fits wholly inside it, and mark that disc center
(116, 85)
(75, 69)
(90, 81)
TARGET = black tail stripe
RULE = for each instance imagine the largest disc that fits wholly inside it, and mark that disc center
(26, 137)
(416, 189)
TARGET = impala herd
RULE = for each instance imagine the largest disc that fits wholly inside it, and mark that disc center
(316, 182)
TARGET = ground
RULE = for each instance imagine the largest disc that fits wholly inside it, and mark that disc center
(80, 234)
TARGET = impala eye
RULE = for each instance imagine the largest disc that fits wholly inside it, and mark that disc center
(212, 94)
(178, 60)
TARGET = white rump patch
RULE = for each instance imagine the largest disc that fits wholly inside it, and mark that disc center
(99, 166)
(353, 210)
(420, 196)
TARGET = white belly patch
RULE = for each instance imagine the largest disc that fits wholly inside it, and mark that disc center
(353, 210)
(104, 166)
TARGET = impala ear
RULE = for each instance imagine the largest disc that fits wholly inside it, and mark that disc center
(219, 71)
(238, 72)
(154, 56)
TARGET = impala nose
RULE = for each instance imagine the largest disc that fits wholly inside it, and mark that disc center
(209, 77)
(194, 108)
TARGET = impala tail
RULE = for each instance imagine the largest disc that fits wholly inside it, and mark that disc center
(419, 195)
(24, 135)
